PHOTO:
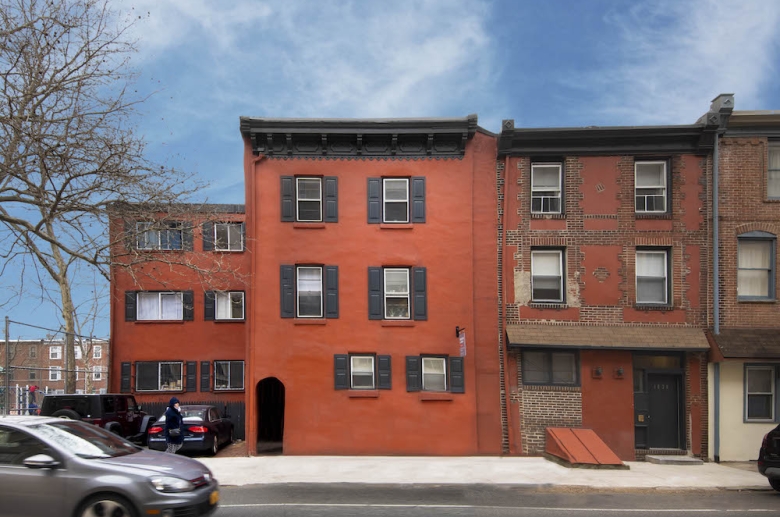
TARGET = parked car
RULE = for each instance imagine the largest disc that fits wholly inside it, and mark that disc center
(769, 458)
(204, 430)
(55, 466)
(115, 412)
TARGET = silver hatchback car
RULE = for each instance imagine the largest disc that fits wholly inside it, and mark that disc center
(56, 467)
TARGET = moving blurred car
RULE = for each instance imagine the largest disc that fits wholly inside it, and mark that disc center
(204, 430)
(56, 466)
(769, 458)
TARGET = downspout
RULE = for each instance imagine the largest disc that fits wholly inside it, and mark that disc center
(716, 293)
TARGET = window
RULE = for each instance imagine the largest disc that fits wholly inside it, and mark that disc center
(228, 375)
(396, 200)
(33, 352)
(160, 235)
(33, 375)
(17, 446)
(76, 351)
(158, 376)
(362, 371)
(434, 373)
(55, 373)
(55, 353)
(229, 236)
(160, 306)
(97, 352)
(554, 367)
(309, 199)
(760, 389)
(652, 277)
(547, 276)
(755, 266)
(229, 305)
(650, 184)
(546, 188)
(396, 287)
(97, 373)
(773, 173)
(397, 293)
(309, 291)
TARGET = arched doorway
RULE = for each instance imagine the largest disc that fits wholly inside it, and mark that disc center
(270, 416)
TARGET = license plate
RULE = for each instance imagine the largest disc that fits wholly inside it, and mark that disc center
(214, 497)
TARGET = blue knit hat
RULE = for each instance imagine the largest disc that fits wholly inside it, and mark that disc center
(173, 401)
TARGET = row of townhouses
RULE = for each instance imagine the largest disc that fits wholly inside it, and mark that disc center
(424, 286)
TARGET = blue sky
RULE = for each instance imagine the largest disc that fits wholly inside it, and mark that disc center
(543, 63)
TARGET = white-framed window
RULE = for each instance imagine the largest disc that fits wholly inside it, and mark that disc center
(547, 276)
(159, 235)
(773, 172)
(97, 373)
(55, 373)
(550, 367)
(652, 277)
(229, 305)
(228, 237)
(158, 376)
(395, 200)
(650, 186)
(755, 266)
(228, 375)
(546, 188)
(308, 196)
(397, 293)
(434, 374)
(760, 392)
(160, 306)
(97, 351)
(33, 354)
(361, 372)
(55, 353)
(77, 351)
(309, 291)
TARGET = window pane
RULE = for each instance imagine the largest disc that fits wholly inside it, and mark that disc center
(148, 306)
(237, 305)
(309, 189)
(534, 370)
(396, 189)
(363, 364)
(310, 291)
(397, 308)
(753, 283)
(759, 380)
(754, 254)
(397, 281)
(651, 264)
(545, 177)
(146, 376)
(433, 365)
(760, 406)
(222, 306)
(651, 290)
(362, 380)
(546, 288)
(546, 263)
(309, 211)
(172, 307)
(434, 374)
(650, 175)
(237, 375)
(396, 212)
(564, 368)
(221, 373)
(235, 238)
(170, 376)
(221, 238)
(773, 183)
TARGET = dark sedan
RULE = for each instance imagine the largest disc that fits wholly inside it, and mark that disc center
(204, 430)
(769, 458)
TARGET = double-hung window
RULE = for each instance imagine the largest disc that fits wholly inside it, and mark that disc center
(650, 181)
(229, 236)
(755, 266)
(547, 276)
(362, 371)
(396, 200)
(160, 306)
(760, 393)
(158, 376)
(55, 373)
(55, 353)
(546, 188)
(308, 195)
(159, 235)
(309, 291)
(773, 172)
(97, 373)
(397, 293)
(309, 199)
(97, 352)
(228, 375)
(435, 373)
(652, 277)
(33, 352)
(77, 351)
(550, 367)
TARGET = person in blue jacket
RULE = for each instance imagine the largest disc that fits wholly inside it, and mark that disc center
(173, 421)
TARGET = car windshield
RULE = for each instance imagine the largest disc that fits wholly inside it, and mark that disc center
(83, 440)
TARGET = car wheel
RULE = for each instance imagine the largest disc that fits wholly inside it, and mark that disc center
(66, 413)
(106, 505)
(775, 483)
(214, 446)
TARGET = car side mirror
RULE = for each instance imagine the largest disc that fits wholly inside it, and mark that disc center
(41, 461)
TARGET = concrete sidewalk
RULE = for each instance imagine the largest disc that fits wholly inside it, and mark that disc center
(532, 472)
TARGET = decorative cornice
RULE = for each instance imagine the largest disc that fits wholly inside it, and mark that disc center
(358, 138)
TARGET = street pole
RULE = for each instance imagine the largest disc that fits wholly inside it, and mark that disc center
(7, 368)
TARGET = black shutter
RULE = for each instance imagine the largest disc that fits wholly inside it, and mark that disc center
(413, 373)
(188, 297)
(186, 236)
(418, 199)
(209, 312)
(383, 372)
(205, 371)
(374, 200)
(420, 294)
(331, 198)
(341, 371)
(192, 376)
(456, 375)
(130, 305)
(288, 199)
(375, 293)
(208, 236)
(124, 384)
(287, 295)
(331, 291)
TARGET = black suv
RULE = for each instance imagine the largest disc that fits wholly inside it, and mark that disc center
(769, 458)
(114, 412)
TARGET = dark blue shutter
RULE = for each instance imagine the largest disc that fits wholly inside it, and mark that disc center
(188, 297)
(374, 200)
(209, 312)
(413, 373)
(341, 371)
(208, 236)
(192, 376)
(130, 305)
(456, 375)
(331, 291)
(383, 372)
(287, 294)
(205, 371)
(288, 198)
(375, 294)
(124, 384)
(186, 235)
(331, 199)
(418, 199)
(420, 294)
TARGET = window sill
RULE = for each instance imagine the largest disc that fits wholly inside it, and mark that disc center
(651, 215)
(396, 226)
(147, 322)
(226, 390)
(309, 226)
(547, 305)
(161, 391)
(313, 321)
(756, 300)
(364, 394)
(539, 215)
(402, 323)
(434, 397)
(228, 251)
(230, 321)
(663, 308)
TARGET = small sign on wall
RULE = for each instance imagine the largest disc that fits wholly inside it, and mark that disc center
(462, 340)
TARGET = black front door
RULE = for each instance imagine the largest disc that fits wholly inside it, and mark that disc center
(664, 410)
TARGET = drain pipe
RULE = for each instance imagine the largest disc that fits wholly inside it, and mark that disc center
(716, 290)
